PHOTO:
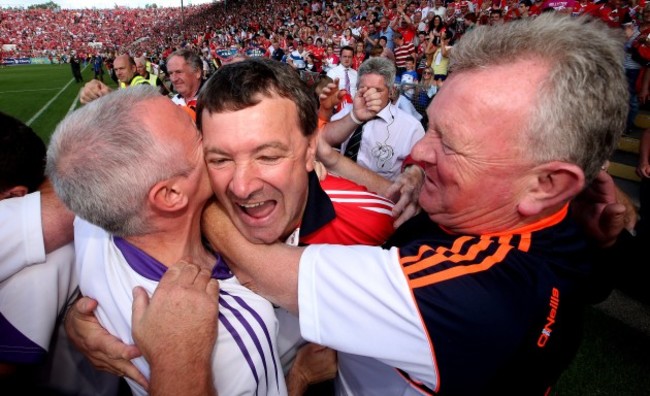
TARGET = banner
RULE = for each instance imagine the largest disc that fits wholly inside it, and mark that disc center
(225, 55)
(16, 61)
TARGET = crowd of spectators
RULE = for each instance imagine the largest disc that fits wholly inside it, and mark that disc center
(253, 25)
(307, 34)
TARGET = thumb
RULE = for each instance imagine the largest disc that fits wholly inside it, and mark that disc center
(140, 303)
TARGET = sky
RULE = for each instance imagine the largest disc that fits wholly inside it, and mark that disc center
(75, 4)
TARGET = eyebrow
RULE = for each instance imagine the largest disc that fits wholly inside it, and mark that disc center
(262, 147)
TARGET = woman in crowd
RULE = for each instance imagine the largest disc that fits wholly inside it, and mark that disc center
(359, 55)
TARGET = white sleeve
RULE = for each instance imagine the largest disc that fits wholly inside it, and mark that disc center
(21, 234)
(355, 299)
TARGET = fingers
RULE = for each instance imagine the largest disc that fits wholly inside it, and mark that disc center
(85, 306)
(213, 288)
(408, 212)
(140, 304)
(93, 90)
(135, 374)
(181, 272)
(612, 222)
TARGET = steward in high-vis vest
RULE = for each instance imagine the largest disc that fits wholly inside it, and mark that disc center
(136, 80)
(152, 79)
(126, 72)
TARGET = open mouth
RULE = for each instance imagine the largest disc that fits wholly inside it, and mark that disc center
(258, 210)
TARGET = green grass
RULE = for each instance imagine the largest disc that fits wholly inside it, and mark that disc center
(26, 90)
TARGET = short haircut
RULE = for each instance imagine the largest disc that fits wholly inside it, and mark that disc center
(241, 85)
(582, 103)
(22, 155)
(376, 50)
(191, 57)
(102, 161)
(347, 48)
(381, 66)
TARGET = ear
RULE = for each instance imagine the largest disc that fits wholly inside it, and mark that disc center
(552, 185)
(13, 192)
(312, 146)
(168, 196)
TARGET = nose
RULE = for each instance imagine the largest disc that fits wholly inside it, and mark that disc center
(245, 183)
(424, 150)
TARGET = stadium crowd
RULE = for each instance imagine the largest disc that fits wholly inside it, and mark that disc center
(309, 35)
(249, 25)
(352, 54)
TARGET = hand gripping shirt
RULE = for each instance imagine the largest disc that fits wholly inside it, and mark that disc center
(449, 314)
(247, 362)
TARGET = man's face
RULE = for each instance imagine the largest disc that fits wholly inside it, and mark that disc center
(258, 161)
(172, 125)
(376, 81)
(185, 80)
(346, 58)
(475, 166)
(123, 69)
(141, 69)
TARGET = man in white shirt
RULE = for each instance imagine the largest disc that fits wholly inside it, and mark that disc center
(388, 136)
(346, 75)
(139, 204)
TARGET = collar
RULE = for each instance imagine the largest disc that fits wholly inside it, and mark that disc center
(319, 209)
(150, 268)
(194, 97)
(546, 222)
(388, 113)
(136, 75)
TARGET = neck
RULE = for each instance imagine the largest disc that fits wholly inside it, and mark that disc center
(176, 238)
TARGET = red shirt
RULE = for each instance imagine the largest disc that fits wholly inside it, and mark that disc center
(353, 216)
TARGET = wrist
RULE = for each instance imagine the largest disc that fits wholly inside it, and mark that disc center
(354, 118)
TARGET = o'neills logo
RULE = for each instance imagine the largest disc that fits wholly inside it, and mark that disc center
(550, 319)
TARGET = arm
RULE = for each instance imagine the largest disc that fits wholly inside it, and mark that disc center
(367, 38)
(645, 83)
(445, 48)
(182, 316)
(105, 351)
(366, 105)
(92, 90)
(314, 363)
(250, 262)
(335, 162)
(643, 169)
(329, 97)
(404, 191)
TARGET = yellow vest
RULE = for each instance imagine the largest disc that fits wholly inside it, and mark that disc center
(137, 80)
(152, 80)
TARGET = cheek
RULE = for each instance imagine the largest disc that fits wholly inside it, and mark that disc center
(218, 181)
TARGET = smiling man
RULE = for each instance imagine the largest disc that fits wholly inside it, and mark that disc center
(185, 70)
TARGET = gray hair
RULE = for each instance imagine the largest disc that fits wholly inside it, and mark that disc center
(381, 66)
(191, 57)
(102, 161)
(582, 103)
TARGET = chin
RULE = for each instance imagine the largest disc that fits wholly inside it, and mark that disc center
(258, 238)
